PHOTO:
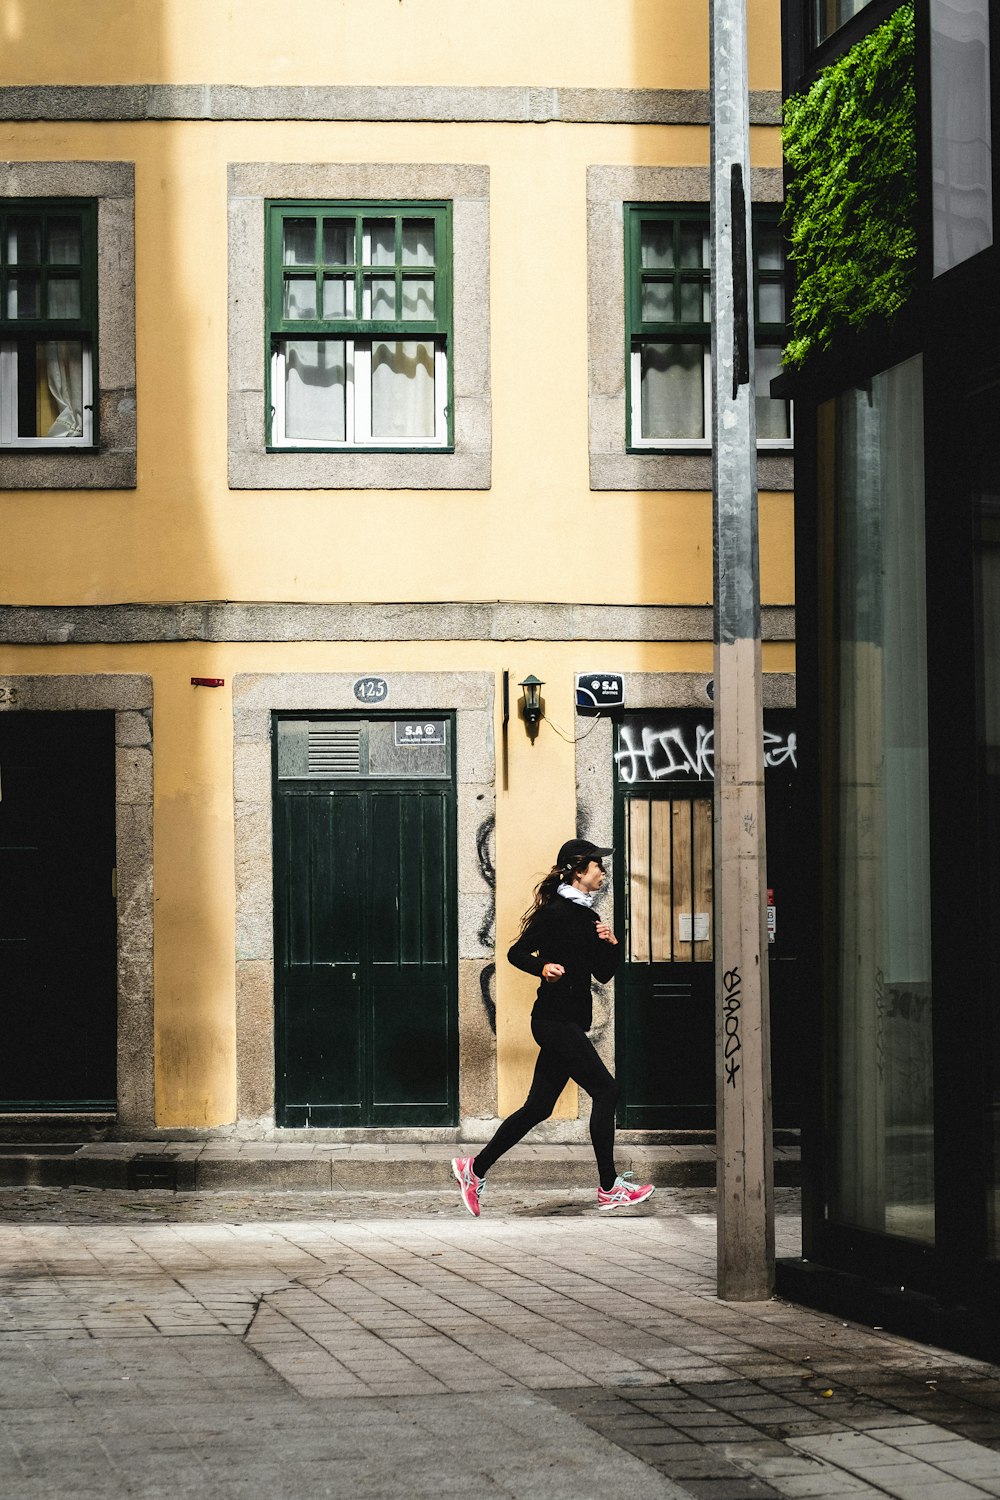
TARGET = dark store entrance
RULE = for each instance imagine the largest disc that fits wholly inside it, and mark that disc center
(58, 911)
(665, 1042)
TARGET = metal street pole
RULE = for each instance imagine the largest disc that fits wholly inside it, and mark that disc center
(744, 1164)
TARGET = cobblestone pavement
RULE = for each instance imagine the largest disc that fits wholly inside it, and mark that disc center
(383, 1345)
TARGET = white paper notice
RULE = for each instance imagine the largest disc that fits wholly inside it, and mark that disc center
(696, 929)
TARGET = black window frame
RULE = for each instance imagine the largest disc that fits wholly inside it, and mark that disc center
(27, 333)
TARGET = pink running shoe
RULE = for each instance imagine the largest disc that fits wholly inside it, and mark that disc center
(624, 1194)
(470, 1184)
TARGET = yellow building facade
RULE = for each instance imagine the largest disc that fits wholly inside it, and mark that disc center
(220, 580)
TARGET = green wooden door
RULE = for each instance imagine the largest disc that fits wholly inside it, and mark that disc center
(364, 871)
(57, 911)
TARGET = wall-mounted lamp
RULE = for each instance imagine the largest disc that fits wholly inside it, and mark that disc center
(531, 708)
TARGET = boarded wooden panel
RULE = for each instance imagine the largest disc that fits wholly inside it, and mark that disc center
(638, 881)
(701, 813)
(659, 882)
(682, 893)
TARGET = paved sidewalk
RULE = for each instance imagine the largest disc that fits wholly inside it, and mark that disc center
(302, 1165)
(378, 1345)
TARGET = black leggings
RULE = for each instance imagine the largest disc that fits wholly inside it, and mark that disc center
(565, 1052)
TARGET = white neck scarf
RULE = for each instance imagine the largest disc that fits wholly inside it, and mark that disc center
(582, 898)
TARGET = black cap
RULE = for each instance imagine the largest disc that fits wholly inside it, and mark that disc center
(576, 849)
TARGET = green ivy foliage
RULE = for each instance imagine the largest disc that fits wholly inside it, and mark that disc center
(850, 212)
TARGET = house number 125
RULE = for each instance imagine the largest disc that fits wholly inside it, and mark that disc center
(371, 689)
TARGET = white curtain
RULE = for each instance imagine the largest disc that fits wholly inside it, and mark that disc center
(403, 389)
(315, 389)
(64, 373)
(673, 390)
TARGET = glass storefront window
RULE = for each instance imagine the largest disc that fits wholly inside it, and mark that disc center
(986, 510)
(960, 130)
(874, 694)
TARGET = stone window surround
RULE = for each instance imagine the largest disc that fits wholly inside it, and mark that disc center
(113, 466)
(595, 787)
(130, 699)
(255, 697)
(611, 466)
(251, 466)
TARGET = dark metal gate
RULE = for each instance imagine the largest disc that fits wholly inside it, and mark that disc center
(665, 1008)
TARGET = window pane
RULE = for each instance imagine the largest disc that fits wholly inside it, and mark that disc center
(695, 249)
(48, 388)
(315, 389)
(693, 301)
(379, 242)
(875, 658)
(831, 14)
(418, 242)
(773, 416)
(23, 295)
(418, 297)
(960, 130)
(24, 241)
(338, 296)
(769, 250)
(63, 297)
(380, 298)
(985, 420)
(300, 297)
(299, 242)
(338, 242)
(403, 390)
(656, 244)
(657, 301)
(673, 390)
(65, 241)
(771, 302)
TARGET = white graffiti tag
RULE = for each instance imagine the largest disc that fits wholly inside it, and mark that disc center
(652, 754)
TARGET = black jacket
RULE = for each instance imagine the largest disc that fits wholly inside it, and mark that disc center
(564, 932)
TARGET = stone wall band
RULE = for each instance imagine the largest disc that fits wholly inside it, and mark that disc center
(382, 103)
(149, 624)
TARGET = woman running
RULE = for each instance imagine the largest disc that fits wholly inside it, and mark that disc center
(564, 943)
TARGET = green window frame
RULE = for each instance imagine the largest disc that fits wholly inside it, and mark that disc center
(358, 306)
(48, 323)
(668, 314)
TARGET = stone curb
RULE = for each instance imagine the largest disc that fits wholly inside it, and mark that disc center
(333, 1171)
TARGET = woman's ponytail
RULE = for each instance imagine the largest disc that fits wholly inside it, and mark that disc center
(545, 894)
(545, 890)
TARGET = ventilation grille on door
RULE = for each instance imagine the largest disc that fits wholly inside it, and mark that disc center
(334, 749)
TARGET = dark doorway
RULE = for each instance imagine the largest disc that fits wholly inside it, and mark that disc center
(57, 911)
(365, 923)
(664, 895)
